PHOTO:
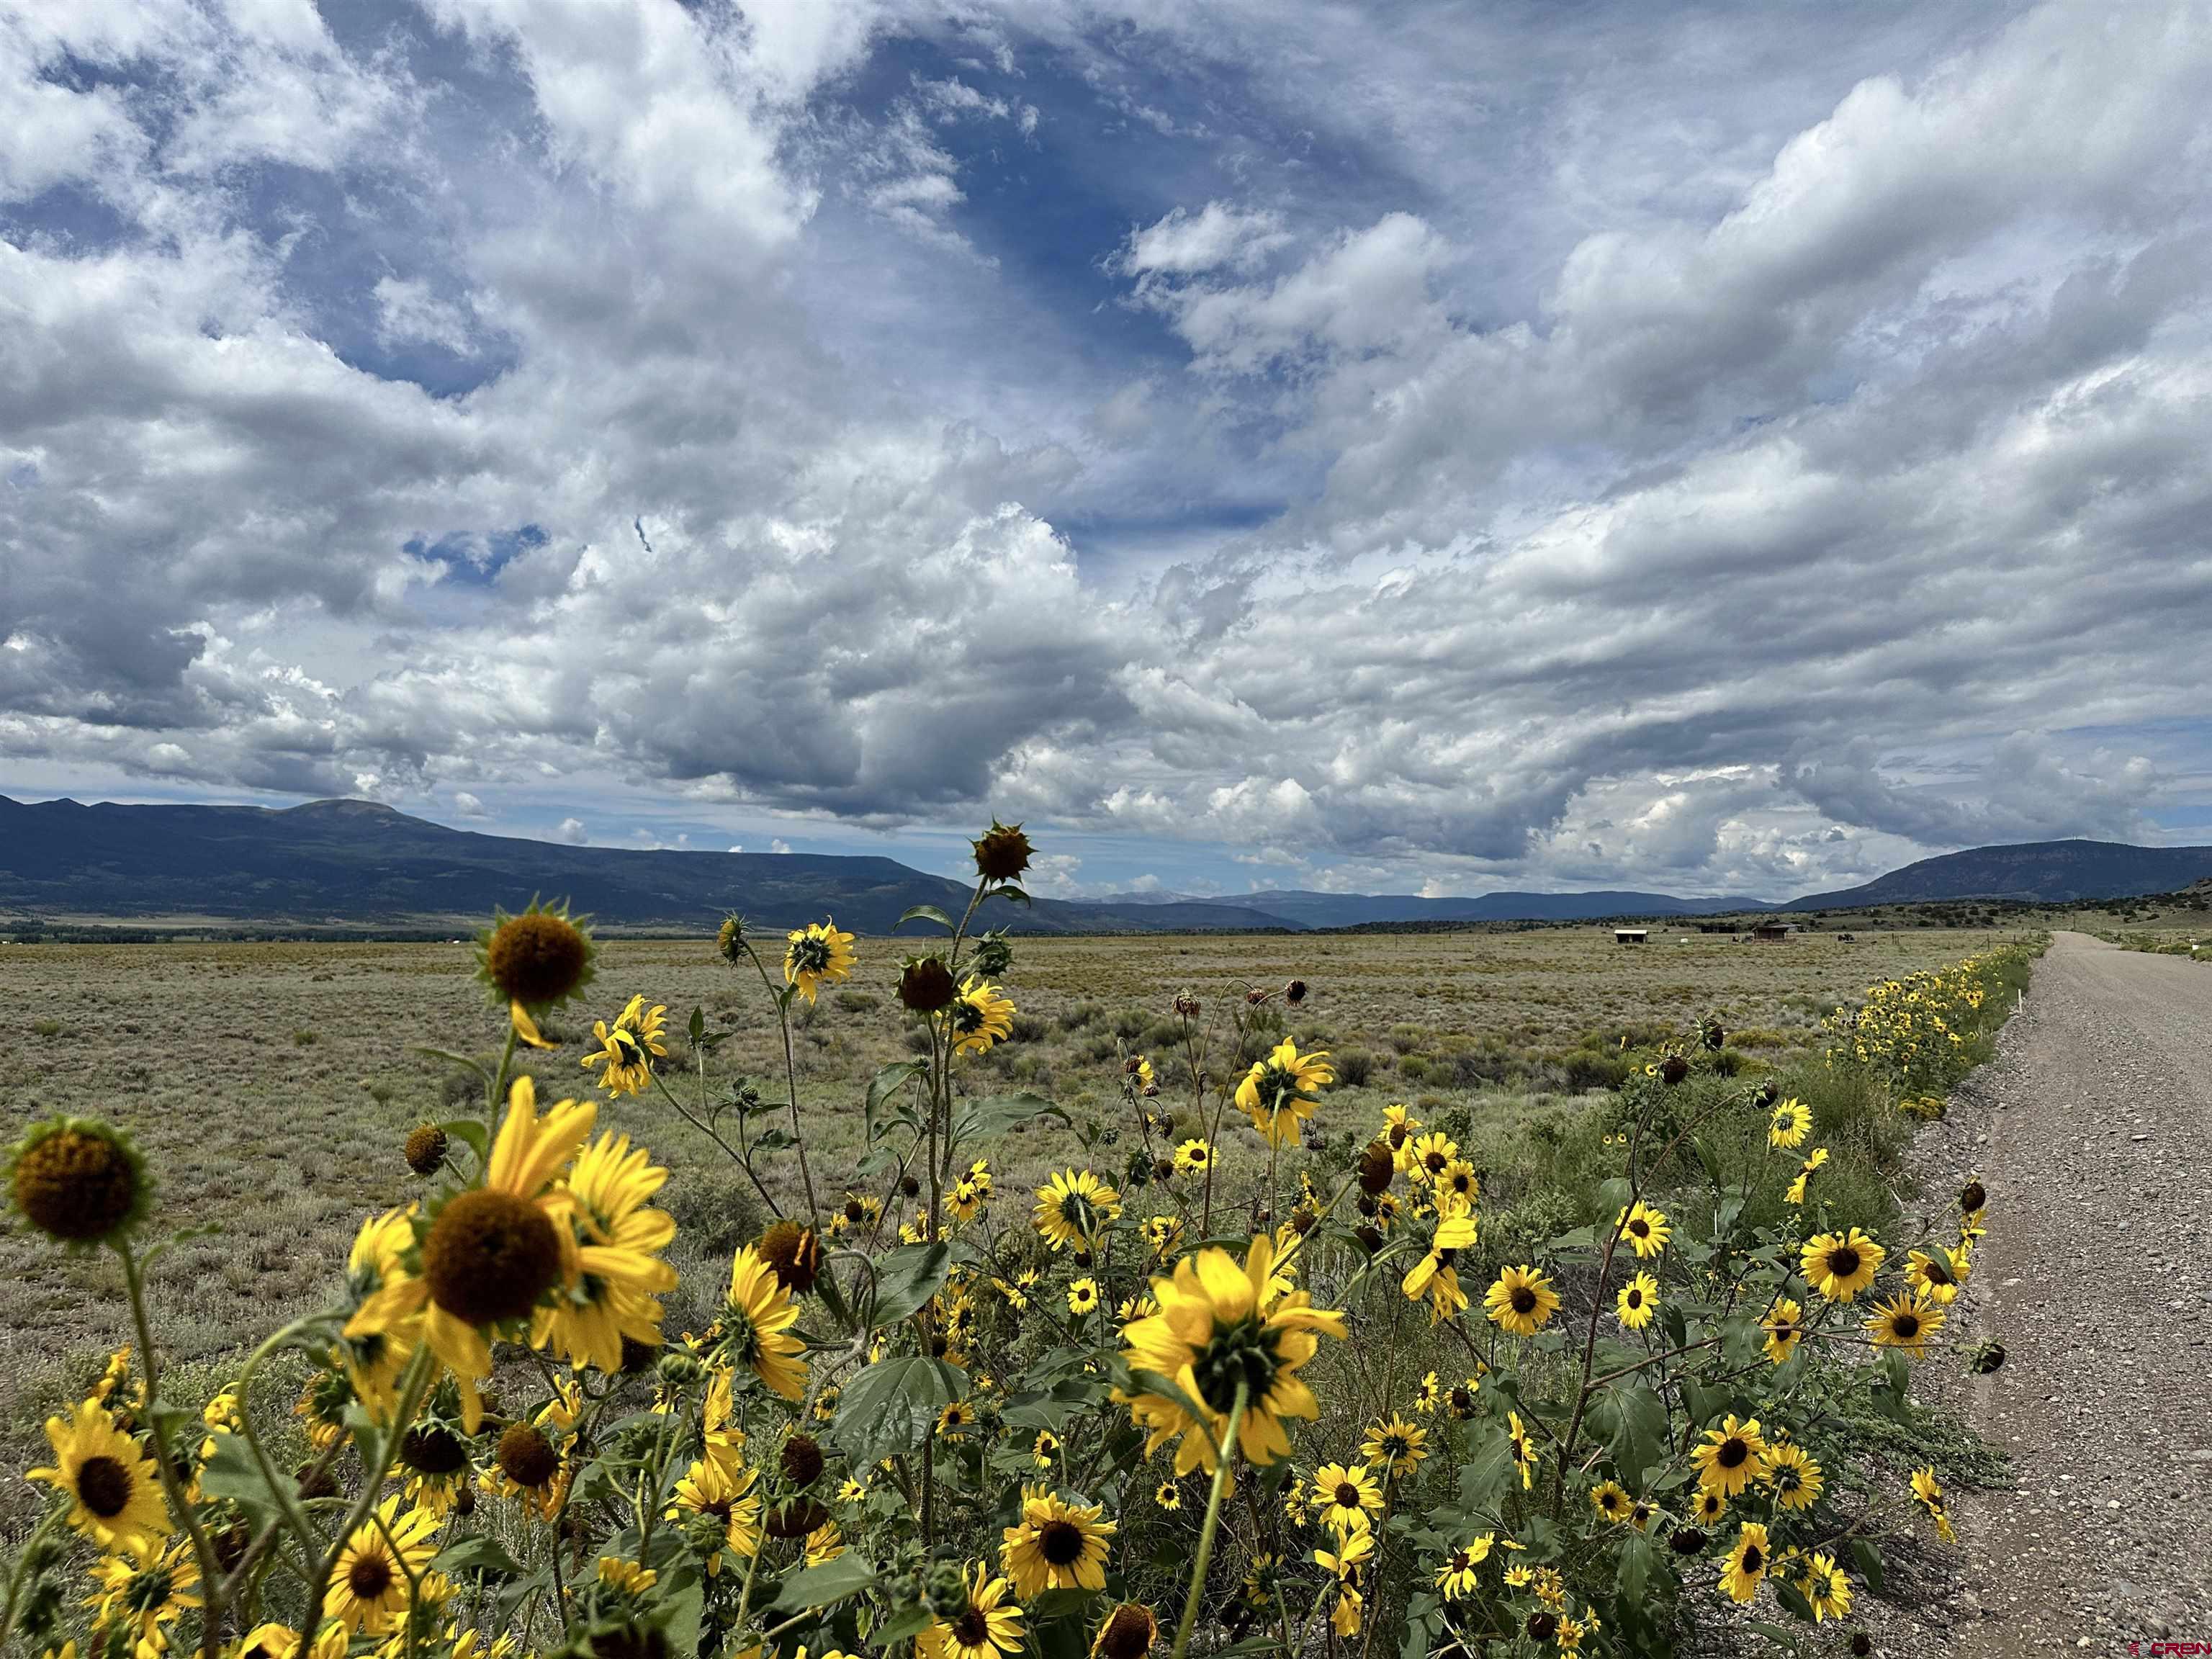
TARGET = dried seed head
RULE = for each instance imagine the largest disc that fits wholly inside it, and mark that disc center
(802, 1460)
(1129, 1632)
(1376, 1167)
(796, 1516)
(1002, 851)
(1972, 1196)
(78, 1181)
(426, 1149)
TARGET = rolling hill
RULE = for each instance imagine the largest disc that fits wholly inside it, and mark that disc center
(355, 863)
(2035, 872)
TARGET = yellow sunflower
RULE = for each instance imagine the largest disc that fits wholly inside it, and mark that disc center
(1609, 1500)
(1929, 1492)
(373, 1360)
(1729, 1457)
(1221, 1324)
(1937, 1274)
(1056, 1545)
(1434, 1276)
(368, 1588)
(1163, 1233)
(1838, 1265)
(1524, 1449)
(1825, 1586)
(1425, 1158)
(1784, 1325)
(1344, 1494)
(1747, 1564)
(755, 1327)
(1791, 1123)
(1805, 1173)
(115, 1495)
(1278, 1093)
(142, 1590)
(1905, 1322)
(726, 1492)
(1083, 1296)
(1707, 1507)
(1073, 1209)
(1395, 1445)
(610, 1242)
(628, 1048)
(1796, 1476)
(1638, 1301)
(981, 1016)
(814, 956)
(1521, 1302)
(986, 1626)
(1194, 1157)
(1457, 1578)
(493, 1252)
(1646, 1230)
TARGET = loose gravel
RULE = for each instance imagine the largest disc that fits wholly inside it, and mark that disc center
(2093, 1131)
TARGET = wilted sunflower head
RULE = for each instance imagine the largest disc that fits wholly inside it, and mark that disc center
(538, 958)
(794, 1253)
(1972, 1196)
(433, 1449)
(1129, 1633)
(925, 984)
(1376, 1166)
(426, 1149)
(78, 1181)
(1002, 851)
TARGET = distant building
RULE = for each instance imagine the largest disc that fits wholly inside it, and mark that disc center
(1776, 931)
(1631, 935)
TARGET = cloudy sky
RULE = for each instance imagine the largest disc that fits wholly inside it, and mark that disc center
(1394, 445)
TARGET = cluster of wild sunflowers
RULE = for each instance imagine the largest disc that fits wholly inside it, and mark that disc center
(1232, 1378)
(1916, 1031)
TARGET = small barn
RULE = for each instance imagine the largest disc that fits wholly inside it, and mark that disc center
(1774, 932)
(1631, 935)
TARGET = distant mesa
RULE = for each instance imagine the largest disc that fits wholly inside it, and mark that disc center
(336, 864)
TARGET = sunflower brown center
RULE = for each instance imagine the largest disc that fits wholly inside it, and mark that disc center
(1753, 1557)
(536, 958)
(103, 1485)
(369, 1576)
(490, 1256)
(75, 1186)
(1641, 1229)
(1346, 1494)
(1732, 1454)
(1060, 1542)
(1524, 1299)
(433, 1451)
(1129, 1634)
(1907, 1325)
(972, 1629)
(527, 1457)
(1842, 1261)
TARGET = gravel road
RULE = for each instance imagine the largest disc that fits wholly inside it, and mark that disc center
(2093, 1131)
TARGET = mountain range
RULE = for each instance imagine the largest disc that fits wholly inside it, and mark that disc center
(338, 864)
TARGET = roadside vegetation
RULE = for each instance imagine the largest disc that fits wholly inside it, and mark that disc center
(1545, 1334)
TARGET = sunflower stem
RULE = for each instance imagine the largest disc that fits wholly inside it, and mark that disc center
(790, 1083)
(1226, 1450)
(172, 1488)
(415, 1383)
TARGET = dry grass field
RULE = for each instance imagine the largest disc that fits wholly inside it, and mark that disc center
(271, 1084)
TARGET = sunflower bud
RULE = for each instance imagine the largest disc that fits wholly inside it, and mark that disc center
(925, 984)
(428, 1448)
(1376, 1167)
(993, 955)
(1972, 1196)
(426, 1149)
(1986, 1357)
(79, 1181)
(944, 1589)
(1861, 1644)
(678, 1369)
(1002, 851)
(729, 938)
